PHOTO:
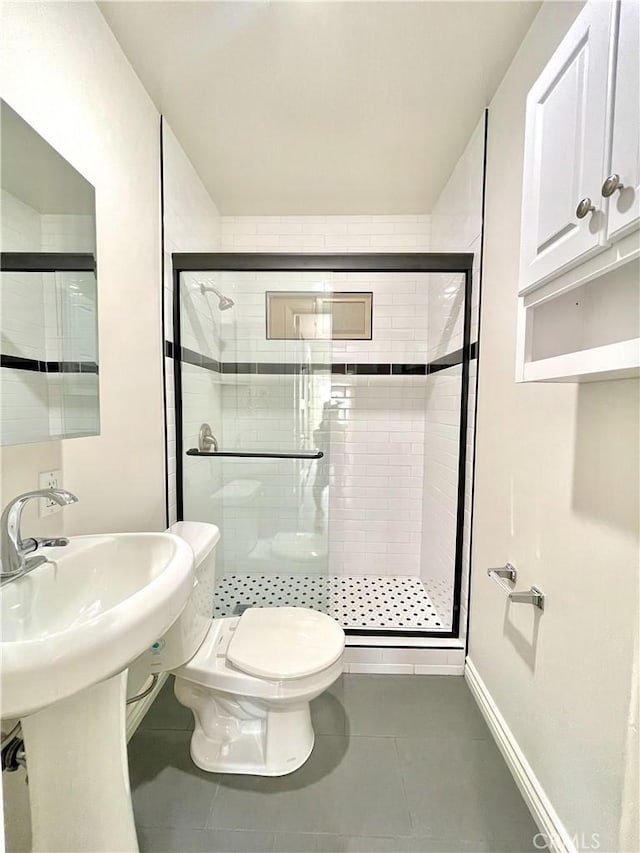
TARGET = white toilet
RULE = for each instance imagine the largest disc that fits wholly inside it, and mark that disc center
(248, 679)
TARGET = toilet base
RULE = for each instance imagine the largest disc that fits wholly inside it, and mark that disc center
(234, 734)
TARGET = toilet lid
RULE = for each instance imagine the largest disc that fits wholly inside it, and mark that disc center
(285, 642)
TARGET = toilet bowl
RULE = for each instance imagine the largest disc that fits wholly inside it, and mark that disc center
(248, 680)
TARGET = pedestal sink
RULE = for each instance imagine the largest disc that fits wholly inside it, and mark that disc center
(70, 628)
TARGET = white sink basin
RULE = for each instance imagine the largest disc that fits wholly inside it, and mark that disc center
(83, 617)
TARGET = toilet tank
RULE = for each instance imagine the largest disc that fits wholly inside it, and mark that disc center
(187, 633)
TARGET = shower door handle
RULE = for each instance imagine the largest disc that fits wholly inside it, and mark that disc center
(259, 454)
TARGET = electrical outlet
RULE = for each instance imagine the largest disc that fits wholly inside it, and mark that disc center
(49, 480)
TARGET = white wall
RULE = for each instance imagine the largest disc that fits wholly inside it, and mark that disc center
(557, 495)
(63, 71)
(65, 74)
(191, 224)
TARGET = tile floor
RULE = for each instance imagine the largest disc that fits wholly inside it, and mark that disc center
(355, 602)
(402, 764)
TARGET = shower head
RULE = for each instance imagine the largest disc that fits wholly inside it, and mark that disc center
(223, 301)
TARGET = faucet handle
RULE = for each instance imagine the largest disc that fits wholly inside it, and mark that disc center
(32, 543)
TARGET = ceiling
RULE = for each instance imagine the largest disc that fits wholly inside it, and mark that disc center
(321, 107)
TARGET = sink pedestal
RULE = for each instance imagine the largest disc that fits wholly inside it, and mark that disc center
(78, 773)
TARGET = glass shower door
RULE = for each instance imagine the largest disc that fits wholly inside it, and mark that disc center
(263, 385)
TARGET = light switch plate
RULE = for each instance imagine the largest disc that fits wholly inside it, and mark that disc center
(49, 480)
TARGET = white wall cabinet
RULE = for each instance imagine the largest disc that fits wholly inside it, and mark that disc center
(624, 162)
(579, 289)
(565, 151)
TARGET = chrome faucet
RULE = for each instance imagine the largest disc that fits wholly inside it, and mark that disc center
(13, 548)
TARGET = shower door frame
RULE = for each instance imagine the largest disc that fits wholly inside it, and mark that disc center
(392, 262)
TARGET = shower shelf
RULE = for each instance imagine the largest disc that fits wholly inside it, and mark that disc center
(259, 454)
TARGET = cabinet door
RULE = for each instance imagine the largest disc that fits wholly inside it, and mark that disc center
(565, 151)
(624, 204)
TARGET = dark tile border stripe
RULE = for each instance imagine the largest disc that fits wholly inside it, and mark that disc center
(38, 366)
(452, 359)
(197, 359)
(189, 356)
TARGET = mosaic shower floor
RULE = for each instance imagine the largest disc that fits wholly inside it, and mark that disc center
(355, 602)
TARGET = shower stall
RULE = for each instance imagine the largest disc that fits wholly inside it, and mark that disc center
(322, 408)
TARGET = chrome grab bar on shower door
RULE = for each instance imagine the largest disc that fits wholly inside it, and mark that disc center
(508, 572)
(259, 454)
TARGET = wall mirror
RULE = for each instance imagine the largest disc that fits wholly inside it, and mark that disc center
(48, 292)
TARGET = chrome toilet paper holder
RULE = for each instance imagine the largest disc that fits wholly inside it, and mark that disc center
(503, 575)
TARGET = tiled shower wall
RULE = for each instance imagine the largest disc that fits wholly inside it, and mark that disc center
(375, 439)
(325, 233)
(377, 431)
(376, 485)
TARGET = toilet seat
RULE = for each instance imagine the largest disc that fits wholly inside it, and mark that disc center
(211, 668)
(285, 642)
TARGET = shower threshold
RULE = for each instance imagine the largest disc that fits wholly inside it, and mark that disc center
(354, 601)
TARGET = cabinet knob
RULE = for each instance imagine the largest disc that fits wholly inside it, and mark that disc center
(611, 184)
(585, 206)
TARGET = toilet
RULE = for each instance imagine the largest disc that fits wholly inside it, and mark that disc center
(248, 679)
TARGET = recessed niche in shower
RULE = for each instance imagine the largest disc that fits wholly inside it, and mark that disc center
(370, 531)
(311, 316)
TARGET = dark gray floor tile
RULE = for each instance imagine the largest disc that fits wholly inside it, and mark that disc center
(359, 844)
(166, 712)
(524, 846)
(327, 711)
(157, 840)
(461, 789)
(349, 786)
(167, 788)
(411, 706)
(444, 845)
(297, 842)
(411, 844)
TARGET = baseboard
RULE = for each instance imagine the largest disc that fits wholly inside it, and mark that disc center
(137, 710)
(403, 669)
(552, 830)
